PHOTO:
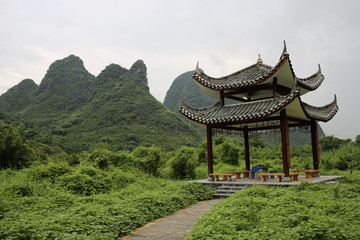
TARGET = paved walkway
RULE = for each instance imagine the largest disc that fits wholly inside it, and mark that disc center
(173, 227)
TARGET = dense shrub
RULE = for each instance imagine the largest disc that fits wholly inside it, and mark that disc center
(50, 172)
(15, 149)
(103, 158)
(184, 163)
(228, 153)
(84, 184)
(87, 202)
(148, 159)
(307, 211)
(331, 142)
(19, 190)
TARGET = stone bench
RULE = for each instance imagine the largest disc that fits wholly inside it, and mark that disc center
(238, 174)
(293, 175)
(226, 176)
(308, 173)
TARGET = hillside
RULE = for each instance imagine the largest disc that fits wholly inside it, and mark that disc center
(185, 87)
(78, 110)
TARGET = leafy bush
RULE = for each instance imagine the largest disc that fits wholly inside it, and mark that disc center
(331, 142)
(307, 211)
(149, 159)
(228, 153)
(103, 158)
(15, 149)
(86, 202)
(86, 181)
(184, 163)
(50, 172)
(19, 190)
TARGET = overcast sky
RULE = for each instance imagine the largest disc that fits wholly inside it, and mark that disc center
(172, 35)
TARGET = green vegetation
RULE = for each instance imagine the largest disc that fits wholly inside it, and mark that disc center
(75, 111)
(185, 87)
(85, 157)
(58, 201)
(46, 193)
(18, 149)
(307, 211)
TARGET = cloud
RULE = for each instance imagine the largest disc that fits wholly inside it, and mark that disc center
(171, 36)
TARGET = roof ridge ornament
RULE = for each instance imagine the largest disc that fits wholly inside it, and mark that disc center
(259, 60)
(198, 69)
(284, 52)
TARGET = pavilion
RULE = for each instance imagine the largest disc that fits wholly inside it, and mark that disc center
(265, 98)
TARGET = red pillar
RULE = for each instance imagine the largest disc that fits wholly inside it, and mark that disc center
(209, 149)
(315, 144)
(246, 148)
(284, 128)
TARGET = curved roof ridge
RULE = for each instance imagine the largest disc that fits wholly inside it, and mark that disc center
(312, 82)
(284, 52)
(241, 112)
(186, 107)
(249, 76)
(201, 72)
(324, 113)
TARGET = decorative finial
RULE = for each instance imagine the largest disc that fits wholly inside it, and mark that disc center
(259, 60)
(319, 68)
(284, 51)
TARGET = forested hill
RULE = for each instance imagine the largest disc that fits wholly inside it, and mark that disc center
(75, 110)
(184, 87)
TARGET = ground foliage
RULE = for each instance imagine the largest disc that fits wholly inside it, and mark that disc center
(46, 193)
(58, 201)
(307, 211)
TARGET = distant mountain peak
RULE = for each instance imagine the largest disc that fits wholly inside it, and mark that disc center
(139, 68)
(69, 61)
(28, 82)
(73, 58)
(79, 110)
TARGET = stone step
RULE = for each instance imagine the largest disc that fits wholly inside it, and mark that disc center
(238, 188)
(218, 195)
(225, 191)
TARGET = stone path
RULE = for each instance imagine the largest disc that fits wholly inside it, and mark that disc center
(174, 227)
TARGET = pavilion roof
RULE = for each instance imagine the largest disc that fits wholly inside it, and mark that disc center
(250, 112)
(260, 73)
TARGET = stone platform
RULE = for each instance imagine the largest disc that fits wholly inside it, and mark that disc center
(269, 182)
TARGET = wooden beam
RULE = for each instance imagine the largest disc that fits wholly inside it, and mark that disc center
(302, 121)
(247, 149)
(209, 150)
(274, 86)
(249, 89)
(222, 99)
(238, 99)
(227, 126)
(284, 128)
(315, 144)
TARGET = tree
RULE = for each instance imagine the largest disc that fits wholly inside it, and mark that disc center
(357, 139)
(331, 142)
(228, 153)
(184, 163)
(15, 151)
(149, 159)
